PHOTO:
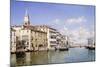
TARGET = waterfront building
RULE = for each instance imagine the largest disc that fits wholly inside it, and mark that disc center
(52, 41)
(51, 36)
(13, 40)
(29, 37)
(38, 37)
(63, 41)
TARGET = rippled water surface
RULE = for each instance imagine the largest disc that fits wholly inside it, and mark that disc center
(44, 57)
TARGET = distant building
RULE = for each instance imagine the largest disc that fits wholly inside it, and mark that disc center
(91, 41)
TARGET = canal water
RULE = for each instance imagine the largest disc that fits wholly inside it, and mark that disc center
(51, 57)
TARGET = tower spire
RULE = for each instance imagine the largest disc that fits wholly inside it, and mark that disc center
(26, 13)
(26, 18)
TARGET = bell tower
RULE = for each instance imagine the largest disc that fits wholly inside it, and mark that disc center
(26, 19)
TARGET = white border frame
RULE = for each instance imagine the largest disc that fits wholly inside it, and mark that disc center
(5, 33)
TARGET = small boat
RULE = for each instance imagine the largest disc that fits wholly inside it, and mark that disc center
(91, 48)
(63, 49)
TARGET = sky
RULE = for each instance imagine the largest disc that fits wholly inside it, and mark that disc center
(76, 21)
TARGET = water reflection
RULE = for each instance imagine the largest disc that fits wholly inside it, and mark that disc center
(20, 59)
(13, 60)
(44, 57)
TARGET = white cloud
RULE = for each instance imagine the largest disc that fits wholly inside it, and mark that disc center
(57, 21)
(70, 21)
(79, 35)
(77, 20)
(64, 30)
